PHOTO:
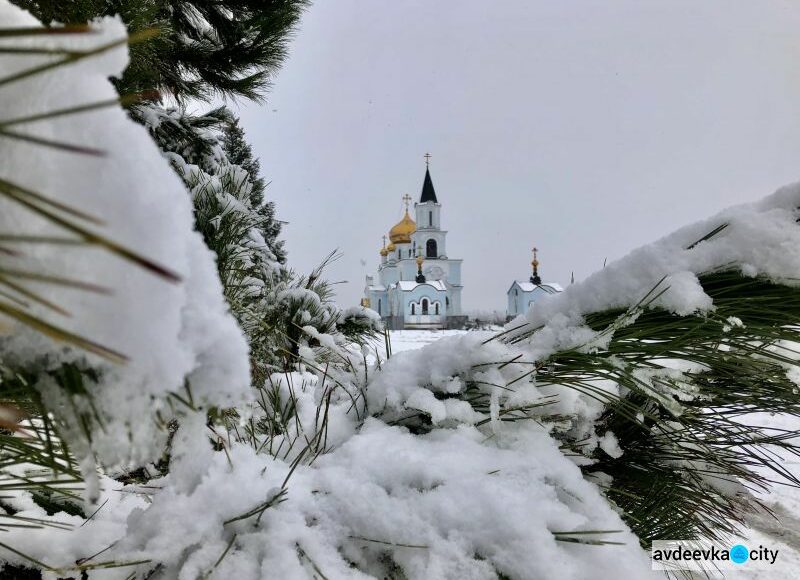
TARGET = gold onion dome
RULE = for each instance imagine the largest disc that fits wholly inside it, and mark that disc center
(384, 252)
(401, 233)
(390, 247)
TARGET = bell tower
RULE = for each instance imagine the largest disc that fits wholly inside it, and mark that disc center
(428, 208)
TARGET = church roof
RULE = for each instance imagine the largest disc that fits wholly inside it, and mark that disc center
(428, 193)
(409, 285)
(549, 287)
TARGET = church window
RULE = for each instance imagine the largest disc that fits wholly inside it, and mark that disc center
(431, 249)
(516, 292)
(413, 310)
(436, 309)
(447, 301)
(424, 306)
(379, 306)
(430, 218)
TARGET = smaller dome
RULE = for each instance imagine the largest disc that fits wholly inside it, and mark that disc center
(401, 232)
(384, 252)
(390, 247)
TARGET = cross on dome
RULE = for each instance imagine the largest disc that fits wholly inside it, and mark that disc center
(535, 279)
(401, 232)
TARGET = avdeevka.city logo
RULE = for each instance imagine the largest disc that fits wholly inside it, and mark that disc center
(740, 554)
(706, 556)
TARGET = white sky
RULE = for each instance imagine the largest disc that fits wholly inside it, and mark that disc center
(586, 128)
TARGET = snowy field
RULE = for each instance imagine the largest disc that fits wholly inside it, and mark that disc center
(405, 340)
(782, 533)
(412, 339)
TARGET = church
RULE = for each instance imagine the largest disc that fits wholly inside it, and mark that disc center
(417, 286)
(523, 294)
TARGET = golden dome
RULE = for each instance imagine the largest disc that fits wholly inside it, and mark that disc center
(384, 252)
(390, 247)
(401, 233)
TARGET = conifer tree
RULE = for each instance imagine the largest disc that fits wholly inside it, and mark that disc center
(239, 152)
(273, 305)
(204, 48)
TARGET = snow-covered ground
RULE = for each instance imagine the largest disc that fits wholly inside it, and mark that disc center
(782, 533)
(783, 530)
(413, 339)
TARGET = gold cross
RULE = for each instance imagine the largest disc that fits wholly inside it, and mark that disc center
(427, 157)
(407, 199)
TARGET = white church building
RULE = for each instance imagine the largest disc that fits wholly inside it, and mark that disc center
(523, 294)
(417, 286)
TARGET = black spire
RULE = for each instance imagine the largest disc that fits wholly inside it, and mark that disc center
(428, 193)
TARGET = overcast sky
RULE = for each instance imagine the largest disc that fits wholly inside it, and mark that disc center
(585, 128)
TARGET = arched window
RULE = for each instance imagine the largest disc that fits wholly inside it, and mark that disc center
(430, 249)
(424, 306)
(413, 310)
(430, 219)
(379, 306)
(447, 301)
(436, 308)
